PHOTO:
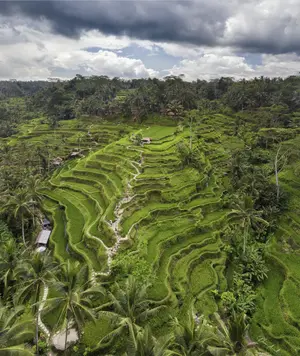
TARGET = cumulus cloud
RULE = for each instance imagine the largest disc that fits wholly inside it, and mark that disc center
(214, 64)
(32, 52)
(211, 66)
(268, 26)
(200, 38)
(102, 62)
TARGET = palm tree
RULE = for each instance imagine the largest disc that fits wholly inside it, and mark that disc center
(246, 217)
(174, 109)
(148, 345)
(131, 309)
(34, 274)
(13, 331)
(19, 206)
(221, 343)
(191, 336)
(33, 186)
(75, 302)
(232, 339)
(10, 256)
(5, 233)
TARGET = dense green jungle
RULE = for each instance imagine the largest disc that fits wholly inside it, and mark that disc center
(173, 214)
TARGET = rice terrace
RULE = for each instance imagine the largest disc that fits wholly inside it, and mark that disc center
(148, 217)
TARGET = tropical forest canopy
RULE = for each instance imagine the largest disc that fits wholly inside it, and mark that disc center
(187, 245)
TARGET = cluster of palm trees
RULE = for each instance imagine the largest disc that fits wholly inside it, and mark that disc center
(14, 330)
(23, 204)
(24, 276)
(192, 335)
(21, 281)
(74, 299)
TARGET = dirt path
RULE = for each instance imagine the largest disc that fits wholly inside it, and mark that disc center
(118, 212)
(42, 326)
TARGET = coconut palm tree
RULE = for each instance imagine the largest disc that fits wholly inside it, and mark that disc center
(148, 345)
(221, 344)
(75, 301)
(19, 206)
(175, 109)
(246, 217)
(15, 331)
(130, 309)
(33, 187)
(35, 273)
(11, 254)
(5, 233)
(191, 336)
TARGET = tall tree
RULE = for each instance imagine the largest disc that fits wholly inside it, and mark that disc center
(246, 217)
(35, 274)
(75, 300)
(131, 309)
(148, 345)
(19, 206)
(15, 332)
(11, 255)
(280, 161)
(191, 335)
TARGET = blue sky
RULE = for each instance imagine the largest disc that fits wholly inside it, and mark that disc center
(156, 58)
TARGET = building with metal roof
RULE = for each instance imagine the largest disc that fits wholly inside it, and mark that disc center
(146, 140)
(43, 237)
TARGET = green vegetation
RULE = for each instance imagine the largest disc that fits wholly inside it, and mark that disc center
(186, 245)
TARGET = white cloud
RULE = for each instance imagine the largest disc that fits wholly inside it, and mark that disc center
(264, 25)
(33, 52)
(282, 65)
(213, 65)
(102, 62)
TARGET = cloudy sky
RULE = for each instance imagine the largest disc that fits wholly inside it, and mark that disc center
(145, 38)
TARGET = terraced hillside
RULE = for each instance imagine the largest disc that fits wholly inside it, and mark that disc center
(141, 201)
(124, 199)
(86, 134)
(277, 320)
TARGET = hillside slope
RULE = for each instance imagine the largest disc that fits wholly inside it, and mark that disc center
(125, 202)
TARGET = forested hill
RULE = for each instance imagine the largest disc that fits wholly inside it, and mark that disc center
(15, 88)
(174, 214)
(139, 98)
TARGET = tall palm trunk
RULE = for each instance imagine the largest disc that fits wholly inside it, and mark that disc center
(276, 174)
(244, 242)
(37, 333)
(66, 336)
(37, 320)
(246, 229)
(191, 131)
(23, 230)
